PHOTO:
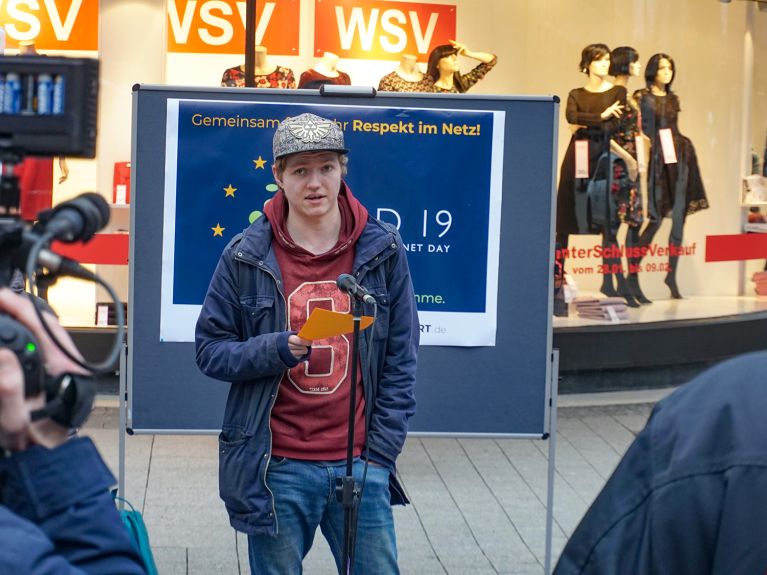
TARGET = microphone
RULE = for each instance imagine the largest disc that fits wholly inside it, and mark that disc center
(77, 219)
(347, 283)
(61, 265)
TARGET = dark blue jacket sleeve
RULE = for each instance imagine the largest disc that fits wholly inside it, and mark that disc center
(58, 516)
(224, 348)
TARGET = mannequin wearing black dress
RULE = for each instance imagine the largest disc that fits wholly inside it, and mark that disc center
(593, 113)
(674, 189)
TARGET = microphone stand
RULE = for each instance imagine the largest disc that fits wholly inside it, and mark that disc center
(347, 490)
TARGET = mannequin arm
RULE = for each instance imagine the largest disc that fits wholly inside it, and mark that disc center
(64, 169)
(575, 116)
(631, 163)
(463, 50)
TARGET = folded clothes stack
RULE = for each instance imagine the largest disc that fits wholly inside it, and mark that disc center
(760, 279)
(606, 308)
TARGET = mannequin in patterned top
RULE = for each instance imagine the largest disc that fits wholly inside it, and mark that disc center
(624, 63)
(406, 78)
(445, 71)
(267, 74)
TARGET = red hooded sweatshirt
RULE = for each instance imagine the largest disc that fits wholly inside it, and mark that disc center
(310, 417)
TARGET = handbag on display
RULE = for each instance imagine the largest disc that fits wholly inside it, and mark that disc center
(137, 532)
(596, 191)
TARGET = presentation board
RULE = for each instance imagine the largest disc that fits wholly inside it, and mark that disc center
(469, 182)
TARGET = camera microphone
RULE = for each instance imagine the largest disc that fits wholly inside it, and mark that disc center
(348, 284)
(61, 265)
(77, 219)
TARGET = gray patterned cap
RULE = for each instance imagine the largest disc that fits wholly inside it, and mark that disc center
(307, 133)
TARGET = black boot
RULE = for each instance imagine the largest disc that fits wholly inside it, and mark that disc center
(633, 284)
(607, 286)
(670, 280)
(625, 291)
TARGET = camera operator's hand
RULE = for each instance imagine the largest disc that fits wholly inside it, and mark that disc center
(16, 430)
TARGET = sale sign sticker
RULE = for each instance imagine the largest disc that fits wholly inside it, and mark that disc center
(218, 26)
(381, 30)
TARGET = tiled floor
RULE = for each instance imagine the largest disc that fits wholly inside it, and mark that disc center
(478, 505)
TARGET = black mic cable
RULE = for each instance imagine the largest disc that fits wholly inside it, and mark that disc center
(33, 258)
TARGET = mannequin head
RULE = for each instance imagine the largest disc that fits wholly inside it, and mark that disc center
(660, 71)
(624, 61)
(443, 63)
(594, 57)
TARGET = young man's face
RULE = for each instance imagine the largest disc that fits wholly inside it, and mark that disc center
(311, 182)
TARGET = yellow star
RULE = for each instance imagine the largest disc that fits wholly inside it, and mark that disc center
(218, 231)
(260, 162)
(230, 190)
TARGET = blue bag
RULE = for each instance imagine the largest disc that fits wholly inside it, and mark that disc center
(137, 532)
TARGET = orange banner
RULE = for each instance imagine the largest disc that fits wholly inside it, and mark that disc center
(218, 26)
(51, 24)
(381, 30)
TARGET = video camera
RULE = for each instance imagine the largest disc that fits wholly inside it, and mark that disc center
(49, 107)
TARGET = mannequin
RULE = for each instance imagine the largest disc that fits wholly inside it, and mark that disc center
(406, 77)
(266, 73)
(445, 72)
(593, 112)
(324, 72)
(674, 185)
(624, 63)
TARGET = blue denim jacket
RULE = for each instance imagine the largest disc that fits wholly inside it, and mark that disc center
(241, 338)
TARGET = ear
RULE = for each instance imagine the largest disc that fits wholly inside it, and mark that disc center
(276, 176)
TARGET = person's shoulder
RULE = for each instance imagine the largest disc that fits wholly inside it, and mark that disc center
(253, 240)
(641, 93)
(380, 227)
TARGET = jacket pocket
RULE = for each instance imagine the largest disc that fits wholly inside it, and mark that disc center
(237, 468)
(257, 314)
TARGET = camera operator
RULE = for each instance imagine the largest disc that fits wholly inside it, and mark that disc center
(56, 512)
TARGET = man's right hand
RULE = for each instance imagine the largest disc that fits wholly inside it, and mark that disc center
(298, 346)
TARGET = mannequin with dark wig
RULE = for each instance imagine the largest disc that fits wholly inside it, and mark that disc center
(594, 113)
(445, 72)
(624, 63)
(674, 185)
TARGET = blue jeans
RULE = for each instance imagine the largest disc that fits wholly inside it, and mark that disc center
(304, 497)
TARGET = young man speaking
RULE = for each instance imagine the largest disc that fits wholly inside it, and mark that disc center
(284, 435)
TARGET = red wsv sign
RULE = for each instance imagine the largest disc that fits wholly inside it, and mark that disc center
(381, 30)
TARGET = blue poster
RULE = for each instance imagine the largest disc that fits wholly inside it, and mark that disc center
(435, 174)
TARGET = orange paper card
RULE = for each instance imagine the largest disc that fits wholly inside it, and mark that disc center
(323, 323)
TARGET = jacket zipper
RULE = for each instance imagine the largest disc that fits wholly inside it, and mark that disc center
(260, 265)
